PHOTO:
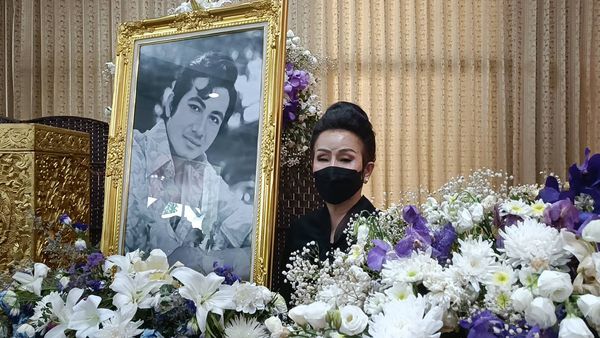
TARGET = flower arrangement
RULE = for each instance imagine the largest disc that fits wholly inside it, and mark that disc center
(480, 256)
(133, 295)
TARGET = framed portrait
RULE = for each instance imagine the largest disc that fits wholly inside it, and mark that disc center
(192, 166)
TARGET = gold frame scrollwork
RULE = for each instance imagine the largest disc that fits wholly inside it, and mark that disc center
(270, 13)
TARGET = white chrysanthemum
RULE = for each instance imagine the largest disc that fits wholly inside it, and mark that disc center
(533, 244)
(249, 298)
(399, 291)
(475, 261)
(498, 300)
(241, 327)
(408, 270)
(375, 303)
(537, 208)
(445, 288)
(515, 207)
(407, 318)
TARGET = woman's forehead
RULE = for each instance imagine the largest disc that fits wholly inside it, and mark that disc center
(338, 139)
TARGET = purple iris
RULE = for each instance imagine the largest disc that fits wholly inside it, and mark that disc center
(80, 227)
(376, 256)
(562, 215)
(483, 325)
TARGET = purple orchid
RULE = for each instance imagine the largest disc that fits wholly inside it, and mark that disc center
(377, 255)
(417, 235)
(562, 215)
(483, 325)
(443, 240)
(551, 191)
(227, 272)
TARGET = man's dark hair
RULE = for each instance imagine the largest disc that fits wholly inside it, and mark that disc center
(221, 72)
(347, 116)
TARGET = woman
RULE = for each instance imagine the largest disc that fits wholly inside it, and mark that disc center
(343, 158)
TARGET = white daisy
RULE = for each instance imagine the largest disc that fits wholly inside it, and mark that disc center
(515, 207)
(400, 291)
(533, 244)
(502, 277)
(241, 327)
(537, 208)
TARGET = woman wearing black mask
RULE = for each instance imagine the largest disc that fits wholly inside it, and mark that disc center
(343, 158)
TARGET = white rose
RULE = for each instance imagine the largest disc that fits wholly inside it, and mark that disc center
(555, 285)
(465, 221)
(315, 314)
(521, 299)
(296, 40)
(290, 33)
(274, 325)
(297, 314)
(590, 307)
(489, 202)
(27, 330)
(591, 232)
(80, 245)
(541, 313)
(574, 327)
(354, 320)
(477, 212)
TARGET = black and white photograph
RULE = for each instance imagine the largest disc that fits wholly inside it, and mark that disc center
(194, 149)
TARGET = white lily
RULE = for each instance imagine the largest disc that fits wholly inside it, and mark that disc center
(63, 311)
(136, 290)
(32, 283)
(87, 317)
(120, 324)
(124, 263)
(157, 264)
(204, 292)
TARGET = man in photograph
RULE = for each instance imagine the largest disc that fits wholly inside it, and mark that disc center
(178, 201)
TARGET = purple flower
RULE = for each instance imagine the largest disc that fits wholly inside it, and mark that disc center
(64, 219)
(95, 285)
(483, 325)
(227, 272)
(443, 239)
(562, 215)
(376, 256)
(551, 191)
(417, 234)
(80, 227)
(95, 259)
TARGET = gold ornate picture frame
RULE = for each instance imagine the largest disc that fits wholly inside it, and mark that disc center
(192, 164)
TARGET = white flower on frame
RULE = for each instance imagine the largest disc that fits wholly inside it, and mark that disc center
(32, 283)
(204, 292)
(249, 298)
(120, 324)
(136, 290)
(86, 317)
(61, 312)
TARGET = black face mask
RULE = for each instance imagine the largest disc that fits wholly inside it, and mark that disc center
(335, 184)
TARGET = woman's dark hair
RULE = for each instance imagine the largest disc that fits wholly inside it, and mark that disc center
(221, 72)
(347, 116)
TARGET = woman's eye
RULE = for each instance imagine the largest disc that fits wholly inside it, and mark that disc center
(346, 160)
(215, 119)
(195, 108)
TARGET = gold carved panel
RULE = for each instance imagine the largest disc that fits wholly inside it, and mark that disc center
(44, 172)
